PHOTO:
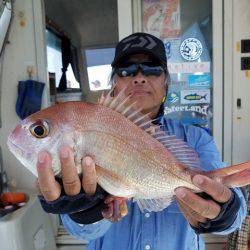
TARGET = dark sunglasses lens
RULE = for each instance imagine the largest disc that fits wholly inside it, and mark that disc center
(151, 70)
(127, 71)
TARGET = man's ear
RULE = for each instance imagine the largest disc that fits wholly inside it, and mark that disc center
(166, 88)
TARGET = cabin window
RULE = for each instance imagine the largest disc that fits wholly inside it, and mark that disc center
(55, 62)
(98, 62)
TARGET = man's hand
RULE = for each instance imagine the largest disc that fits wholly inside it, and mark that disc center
(117, 208)
(50, 189)
(197, 209)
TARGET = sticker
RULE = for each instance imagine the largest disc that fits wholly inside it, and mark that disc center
(168, 49)
(203, 80)
(199, 109)
(189, 67)
(195, 96)
(162, 18)
(191, 49)
(179, 84)
(238, 46)
(172, 47)
(173, 97)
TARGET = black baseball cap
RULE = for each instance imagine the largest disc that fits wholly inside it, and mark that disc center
(140, 43)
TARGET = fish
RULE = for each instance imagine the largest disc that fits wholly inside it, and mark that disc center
(135, 158)
(195, 97)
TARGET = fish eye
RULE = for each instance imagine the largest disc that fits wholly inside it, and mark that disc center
(40, 129)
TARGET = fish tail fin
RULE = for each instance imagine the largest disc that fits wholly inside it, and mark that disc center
(233, 176)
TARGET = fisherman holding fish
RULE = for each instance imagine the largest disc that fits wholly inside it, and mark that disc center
(153, 206)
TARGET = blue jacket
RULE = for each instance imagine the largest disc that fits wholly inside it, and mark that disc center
(165, 230)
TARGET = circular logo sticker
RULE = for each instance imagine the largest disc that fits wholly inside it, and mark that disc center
(191, 49)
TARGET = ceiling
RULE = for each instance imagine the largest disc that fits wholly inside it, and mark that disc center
(89, 23)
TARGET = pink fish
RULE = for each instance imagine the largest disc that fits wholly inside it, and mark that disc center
(134, 157)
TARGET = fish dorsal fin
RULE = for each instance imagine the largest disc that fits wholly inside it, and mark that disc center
(122, 104)
(179, 148)
(153, 205)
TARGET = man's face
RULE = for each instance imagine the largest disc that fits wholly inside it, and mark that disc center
(147, 91)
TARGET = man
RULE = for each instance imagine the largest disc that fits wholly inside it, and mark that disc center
(140, 65)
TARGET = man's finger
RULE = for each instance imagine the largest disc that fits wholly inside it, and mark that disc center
(49, 187)
(38, 190)
(71, 181)
(218, 191)
(116, 212)
(121, 201)
(89, 175)
(193, 217)
(109, 199)
(188, 217)
(191, 220)
(123, 208)
(206, 208)
(108, 212)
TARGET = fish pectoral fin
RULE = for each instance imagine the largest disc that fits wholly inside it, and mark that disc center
(153, 205)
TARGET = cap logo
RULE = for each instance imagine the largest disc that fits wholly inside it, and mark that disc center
(143, 42)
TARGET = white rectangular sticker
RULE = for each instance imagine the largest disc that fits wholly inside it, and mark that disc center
(189, 67)
(195, 96)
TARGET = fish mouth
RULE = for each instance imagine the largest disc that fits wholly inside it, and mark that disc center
(14, 148)
(22, 156)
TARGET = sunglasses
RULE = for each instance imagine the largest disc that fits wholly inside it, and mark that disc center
(147, 69)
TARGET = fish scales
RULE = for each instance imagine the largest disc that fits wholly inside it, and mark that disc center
(130, 162)
(109, 151)
(118, 156)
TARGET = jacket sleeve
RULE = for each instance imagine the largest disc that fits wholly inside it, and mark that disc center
(240, 216)
(86, 232)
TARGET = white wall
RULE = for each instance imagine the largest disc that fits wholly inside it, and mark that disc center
(19, 53)
(236, 120)
(241, 84)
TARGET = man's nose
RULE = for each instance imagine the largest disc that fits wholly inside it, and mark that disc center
(139, 78)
